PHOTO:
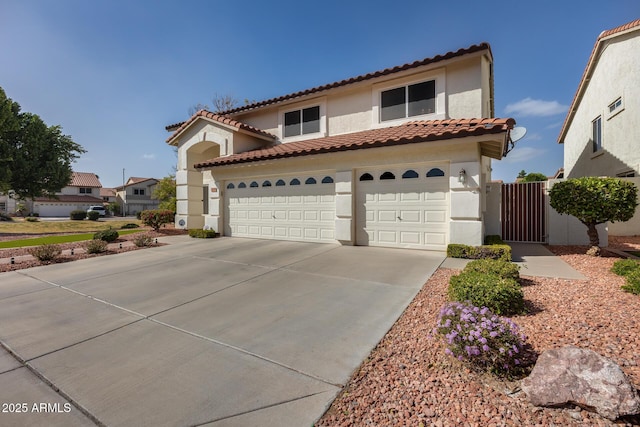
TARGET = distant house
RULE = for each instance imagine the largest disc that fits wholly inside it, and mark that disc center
(108, 195)
(83, 191)
(136, 194)
(7, 204)
(398, 157)
(602, 129)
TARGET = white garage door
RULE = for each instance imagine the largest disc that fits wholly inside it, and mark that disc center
(286, 208)
(403, 207)
(57, 209)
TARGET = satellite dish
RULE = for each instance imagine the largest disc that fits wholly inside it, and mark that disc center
(517, 133)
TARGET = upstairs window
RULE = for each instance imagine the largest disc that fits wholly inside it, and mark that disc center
(138, 191)
(408, 101)
(85, 190)
(302, 122)
(615, 106)
(596, 129)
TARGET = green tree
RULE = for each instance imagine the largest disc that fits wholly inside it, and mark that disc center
(595, 201)
(165, 193)
(533, 177)
(36, 158)
(522, 174)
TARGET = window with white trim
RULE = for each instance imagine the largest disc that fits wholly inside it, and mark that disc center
(302, 122)
(408, 101)
(615, 105)
(85, 190)
(596, 134)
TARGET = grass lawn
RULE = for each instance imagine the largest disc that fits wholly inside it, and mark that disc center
(21, 226)
(84, 231)
(67, 238)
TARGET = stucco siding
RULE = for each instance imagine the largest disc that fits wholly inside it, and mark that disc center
(615, 76)
(464, 89)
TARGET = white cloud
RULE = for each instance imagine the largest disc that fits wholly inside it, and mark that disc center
(535, 108)
(523, 154)
(148, 156)
(533, 137)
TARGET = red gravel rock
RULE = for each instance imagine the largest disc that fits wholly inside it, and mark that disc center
(409, 381)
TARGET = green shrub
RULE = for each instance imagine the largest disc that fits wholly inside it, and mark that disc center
(456, 250)
(77, 215)
(143, 239)
(633, 282)
(108, 235)
(623, 267)
(493, 239)
(202, 234)
(31, 219)
(5, 217)
(504, 269)
(479, 337)
(130, 225)
(93, 215)
(96, 246)
(46, 253)
(500, 295)
(157, 218)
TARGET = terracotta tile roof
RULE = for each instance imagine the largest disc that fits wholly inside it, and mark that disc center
(449, 55)
(137, 180)
(107, 192)
(70, 198)
(589, 69)
(220, 119)
(84, 179)
(412, 132)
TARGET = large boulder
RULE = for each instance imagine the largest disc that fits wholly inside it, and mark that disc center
(582, 377)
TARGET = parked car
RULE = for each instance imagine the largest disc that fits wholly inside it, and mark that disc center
(100, 209)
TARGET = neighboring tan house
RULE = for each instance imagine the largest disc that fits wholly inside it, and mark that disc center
(136, 194)
(7, 204)
(601, 133)
(108, 195)
(83, 191)
(398, 158)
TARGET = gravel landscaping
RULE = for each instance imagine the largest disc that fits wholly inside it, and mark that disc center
(409, 381)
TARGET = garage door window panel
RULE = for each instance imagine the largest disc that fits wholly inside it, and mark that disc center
(435, 172)
(387, 175)
(280, 183)
(410, 174)
(242, 185)
(310, 181)
(366, 177)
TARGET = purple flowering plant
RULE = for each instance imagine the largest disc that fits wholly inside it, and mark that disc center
(481, 338)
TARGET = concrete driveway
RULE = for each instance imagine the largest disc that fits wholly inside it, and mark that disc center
(216, 332)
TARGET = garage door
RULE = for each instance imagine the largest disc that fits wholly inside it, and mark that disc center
(298, 208)
(403, 207)
(57, 209)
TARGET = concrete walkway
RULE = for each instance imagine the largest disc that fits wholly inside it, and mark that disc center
(534, 260)
(216, 332)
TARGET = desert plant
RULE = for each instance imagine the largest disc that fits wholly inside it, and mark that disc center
(143, 239)
(623, 267)
(77, 215)
(504, 269)
(493, 239)
(501, 295)
(93, 215)
(5, 217)
(595, 201)
(108, 235)
(31, 219)
(481, 338)
(129, 225)
(46, 253)
(202, 234)
(96, 246)
(456, 250)
(633, 282)
(157, 218)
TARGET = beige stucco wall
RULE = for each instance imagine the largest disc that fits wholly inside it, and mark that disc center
(616, 75)
(461, 92)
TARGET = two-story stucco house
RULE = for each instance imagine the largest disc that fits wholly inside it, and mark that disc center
(601, 133)
(398, 158)
(135, 195)
(83, 191)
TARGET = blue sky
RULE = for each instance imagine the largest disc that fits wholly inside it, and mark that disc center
(114, 73)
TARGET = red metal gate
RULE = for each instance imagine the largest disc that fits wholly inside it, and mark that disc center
(523, 212)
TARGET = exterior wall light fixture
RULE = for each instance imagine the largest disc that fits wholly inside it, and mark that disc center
(462, 176)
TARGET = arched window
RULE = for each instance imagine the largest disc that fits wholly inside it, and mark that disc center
(310, 180)
(280, 183)
(387, 175)
(230, 185)
(266, 184)
(435, 172)
(242, 185)
(410, 174)
(366, 177)
(295, 181)
(327, 180)
(253, 184)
